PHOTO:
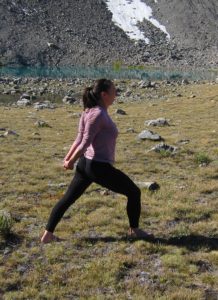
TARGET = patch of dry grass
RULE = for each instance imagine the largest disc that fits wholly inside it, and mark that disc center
(96, 261)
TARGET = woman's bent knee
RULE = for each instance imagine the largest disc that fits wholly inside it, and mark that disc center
(134, 192)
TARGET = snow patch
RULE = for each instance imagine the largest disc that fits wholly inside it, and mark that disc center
(127, 13)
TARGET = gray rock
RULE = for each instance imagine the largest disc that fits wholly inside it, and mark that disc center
(76, 114)
(69, 100)
(11, 132)
(185, 81)
(128, 93)
(151, 186)
(41, 123)
(59, 185)
(130, 130)
(25, 96)
(120, 111)
(183, 142)
(147, 84)
(164, 147)
(149, 135)
(23, 102)
(42, 105)
(157, 122)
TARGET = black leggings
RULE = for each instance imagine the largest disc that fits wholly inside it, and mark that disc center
(88, 171)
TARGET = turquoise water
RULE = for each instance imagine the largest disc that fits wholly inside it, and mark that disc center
(108, 72)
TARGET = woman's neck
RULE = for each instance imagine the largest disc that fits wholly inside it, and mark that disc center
(102, 104)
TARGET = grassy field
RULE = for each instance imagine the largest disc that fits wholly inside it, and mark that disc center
(97, 261)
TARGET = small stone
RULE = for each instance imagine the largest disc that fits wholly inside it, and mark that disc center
(151, 186)
(120, 111)
(164, 147)
(69, 100)
(185, 81)
(157, 122)
(23, 102)
(40, 123)
(10, 132)
(25, 96)
(149, 135)
(183, 142)
(130, 130)
(42, 105)
(105, 192)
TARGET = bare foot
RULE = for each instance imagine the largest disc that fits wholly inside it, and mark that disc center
(139, 233)
(49, 237)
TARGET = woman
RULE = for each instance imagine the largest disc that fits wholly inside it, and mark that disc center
(95, 148)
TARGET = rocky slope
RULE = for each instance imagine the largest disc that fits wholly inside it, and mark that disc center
(65, 33)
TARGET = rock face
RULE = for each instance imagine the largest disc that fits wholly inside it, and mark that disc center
(45, 33)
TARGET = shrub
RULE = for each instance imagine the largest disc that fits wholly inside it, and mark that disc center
(202, 158)
(6, 222)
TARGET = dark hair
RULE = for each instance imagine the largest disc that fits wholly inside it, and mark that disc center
(92, 94)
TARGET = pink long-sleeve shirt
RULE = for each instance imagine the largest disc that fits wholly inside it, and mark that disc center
(97, 135)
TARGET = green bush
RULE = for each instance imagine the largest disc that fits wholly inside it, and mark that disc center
(202, 158)
(6, 222)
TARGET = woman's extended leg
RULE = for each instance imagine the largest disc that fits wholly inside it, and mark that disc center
(114, 179)
(78, 185)
(76, 188)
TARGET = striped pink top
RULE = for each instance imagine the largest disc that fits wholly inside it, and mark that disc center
(97, 135)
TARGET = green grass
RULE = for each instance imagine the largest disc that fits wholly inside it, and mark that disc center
(96, 261)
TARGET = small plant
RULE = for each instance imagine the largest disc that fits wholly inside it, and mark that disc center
(202, 159)
(117, 65)
(6, 222)
(165, 153)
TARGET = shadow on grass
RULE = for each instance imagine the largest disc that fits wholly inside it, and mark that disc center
(191, 242)
(11, 241)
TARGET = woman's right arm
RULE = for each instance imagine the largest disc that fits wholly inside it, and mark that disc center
(91, 128)
(77, 140)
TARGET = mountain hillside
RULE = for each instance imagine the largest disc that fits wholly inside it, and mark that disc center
(88, 32)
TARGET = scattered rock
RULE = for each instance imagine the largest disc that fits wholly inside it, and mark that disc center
(75, 114)
(69, 100)
(120, 111)
(151, 186)
(128, 93)
(157, 122)
(23, 102)
(52, 45)
(183, 142)
(59, 185)
(149, 135)
(130, 130)
(164, 147)
(10, 132)
(147, 84)
(105, 192)
(41, 123)
(185, 81)
(42, 105)
(25, 96)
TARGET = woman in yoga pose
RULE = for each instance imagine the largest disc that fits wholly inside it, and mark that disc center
(94, 146)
